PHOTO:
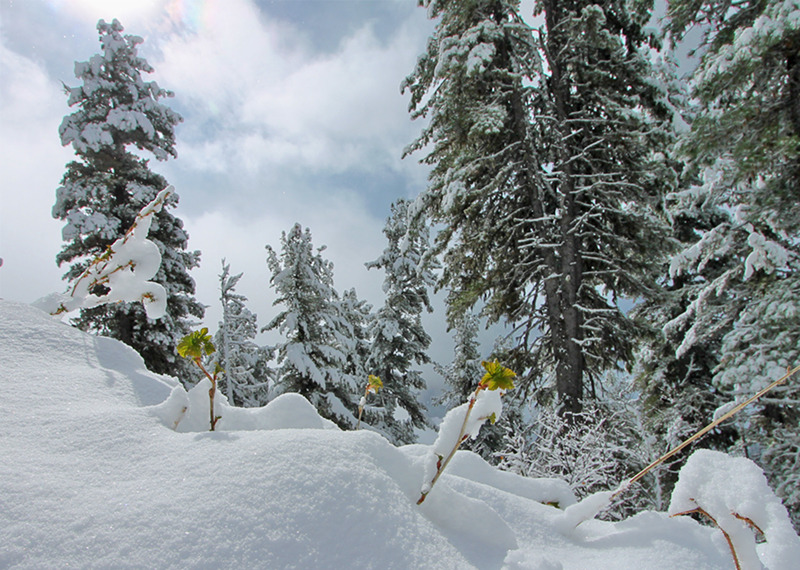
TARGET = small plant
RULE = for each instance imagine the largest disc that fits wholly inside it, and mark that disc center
(196, 345)
(373, 385)
(496, 381)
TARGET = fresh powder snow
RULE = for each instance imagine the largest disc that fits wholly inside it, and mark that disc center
(106, 464)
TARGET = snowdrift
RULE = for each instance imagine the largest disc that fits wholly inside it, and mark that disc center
(102, 467)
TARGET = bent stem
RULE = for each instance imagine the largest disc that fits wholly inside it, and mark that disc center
(211, 393)
(497, 377)
(736, 409)
(700, 510)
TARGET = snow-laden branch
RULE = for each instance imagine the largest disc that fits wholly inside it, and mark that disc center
(124, 270)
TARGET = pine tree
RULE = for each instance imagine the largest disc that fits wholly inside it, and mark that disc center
(313, 357)
(399, 340)
(546, 175)
(246, 375)
(743, 156)
(102, 192)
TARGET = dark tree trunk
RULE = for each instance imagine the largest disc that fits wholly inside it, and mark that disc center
(564, 314)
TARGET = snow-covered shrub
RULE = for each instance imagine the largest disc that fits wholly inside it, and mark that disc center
(123, 271)
(466, 420)
(590, 451)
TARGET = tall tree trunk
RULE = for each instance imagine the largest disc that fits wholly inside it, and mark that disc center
(563, 310)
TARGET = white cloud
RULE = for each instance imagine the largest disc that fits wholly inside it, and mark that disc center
(268, 101)
(32, 162)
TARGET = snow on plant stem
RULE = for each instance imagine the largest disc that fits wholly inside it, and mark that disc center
(460, 423)
(125, 269)
(734, 494)
(373, 385)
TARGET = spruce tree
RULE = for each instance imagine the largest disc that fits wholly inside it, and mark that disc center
(399, 340)
(104, 189)
(743, 160)
(246, 375)
(547, 177)
(312, 358)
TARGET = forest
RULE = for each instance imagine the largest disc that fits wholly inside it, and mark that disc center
(637, 232)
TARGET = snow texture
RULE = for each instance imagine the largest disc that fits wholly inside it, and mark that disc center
(94, 475)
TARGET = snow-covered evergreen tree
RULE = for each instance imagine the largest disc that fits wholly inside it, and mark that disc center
(313, 357)
(356, 316)
(547, 175)
(246, 374)
(399, 341)
(463, 374)
(104, 189)
(743, 302)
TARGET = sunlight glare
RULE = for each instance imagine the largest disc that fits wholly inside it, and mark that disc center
(126, 11)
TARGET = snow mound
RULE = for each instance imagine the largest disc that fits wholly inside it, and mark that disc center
(735, 492)
(94, 475)
(189, 411)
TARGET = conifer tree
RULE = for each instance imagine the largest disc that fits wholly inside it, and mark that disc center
(464, 372)
(246, 374)
(399, 340)
(546, 174)
(743, 158)
(313, 357)
(357, 317)
(104, 189)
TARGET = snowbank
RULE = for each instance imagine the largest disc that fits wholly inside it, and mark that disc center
(93, 475)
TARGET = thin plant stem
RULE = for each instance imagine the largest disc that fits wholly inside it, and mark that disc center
(700, 510)
(736, 409)
(361, 408)
(442, 464)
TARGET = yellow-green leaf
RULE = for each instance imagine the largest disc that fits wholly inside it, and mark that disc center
(497, 376)
(375, 383)
(196, 344)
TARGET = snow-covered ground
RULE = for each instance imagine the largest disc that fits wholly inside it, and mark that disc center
(92, 474)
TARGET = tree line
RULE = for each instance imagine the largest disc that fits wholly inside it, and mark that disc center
(639, 232)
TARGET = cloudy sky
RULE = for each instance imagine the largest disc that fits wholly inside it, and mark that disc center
(292, 113)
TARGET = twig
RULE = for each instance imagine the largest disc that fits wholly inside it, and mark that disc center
(736, 409)
(702, 511)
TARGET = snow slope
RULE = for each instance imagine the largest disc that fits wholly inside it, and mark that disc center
(92, 475)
